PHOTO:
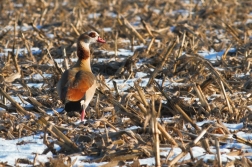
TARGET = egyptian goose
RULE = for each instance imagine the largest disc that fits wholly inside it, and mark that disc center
(77, 85)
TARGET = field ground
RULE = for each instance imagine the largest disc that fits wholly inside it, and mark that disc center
(175, 83)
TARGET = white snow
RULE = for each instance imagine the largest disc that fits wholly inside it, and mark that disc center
(34, 51)
(10, 151)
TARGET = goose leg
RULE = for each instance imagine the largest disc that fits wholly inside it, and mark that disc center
(83, 108)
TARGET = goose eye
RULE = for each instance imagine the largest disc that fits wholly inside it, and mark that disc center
(92, 34)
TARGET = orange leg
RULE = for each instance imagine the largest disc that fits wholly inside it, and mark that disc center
(83, 107)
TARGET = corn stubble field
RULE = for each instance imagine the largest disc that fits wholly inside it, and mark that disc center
(162, 41)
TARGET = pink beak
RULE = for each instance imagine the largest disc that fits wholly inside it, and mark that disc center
(101, 40)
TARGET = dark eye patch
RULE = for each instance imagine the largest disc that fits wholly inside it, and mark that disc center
(92, 34)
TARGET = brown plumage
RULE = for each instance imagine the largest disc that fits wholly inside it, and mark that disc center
(77, 85)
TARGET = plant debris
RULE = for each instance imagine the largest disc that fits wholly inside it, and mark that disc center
(160, 85)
